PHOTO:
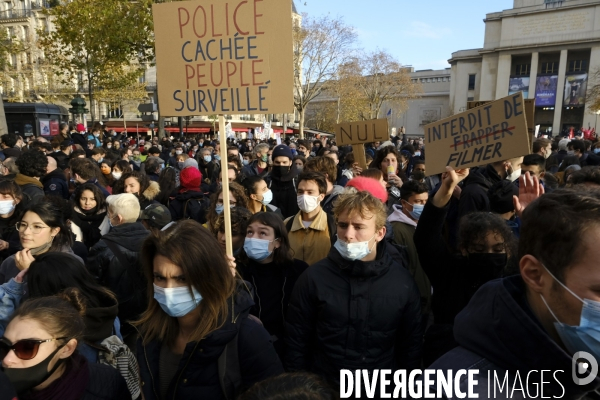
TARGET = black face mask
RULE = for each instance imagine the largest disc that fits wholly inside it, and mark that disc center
(279, 171)
(484, 267)
(24, 379)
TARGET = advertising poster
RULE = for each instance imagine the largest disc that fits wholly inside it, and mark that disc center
(575, 88)
(545, 91)
(44, 127)
(520, 84)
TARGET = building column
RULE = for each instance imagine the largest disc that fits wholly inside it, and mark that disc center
(589, 117)
(504, 64)
(560, 92)
(533, 74)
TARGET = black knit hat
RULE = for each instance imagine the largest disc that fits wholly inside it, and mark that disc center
(282, 151)
(501, 197)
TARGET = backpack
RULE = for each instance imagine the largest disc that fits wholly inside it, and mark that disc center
(115, 353)
(331, 226)
(196, 209)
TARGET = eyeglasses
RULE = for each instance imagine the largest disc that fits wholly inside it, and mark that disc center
(24, 349)
(22, 227)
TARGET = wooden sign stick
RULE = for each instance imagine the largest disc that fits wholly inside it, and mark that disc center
(225, 186)
(359, 155)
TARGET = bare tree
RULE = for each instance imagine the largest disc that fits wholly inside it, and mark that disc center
(321, 45)
(593, 94)
(384, 80)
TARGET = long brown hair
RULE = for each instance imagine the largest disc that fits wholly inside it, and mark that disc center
(192, 248)
(241, 199)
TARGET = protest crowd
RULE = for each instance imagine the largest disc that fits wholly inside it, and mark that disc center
(115, 283)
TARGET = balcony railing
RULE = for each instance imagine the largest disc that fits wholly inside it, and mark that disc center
(13, 14)
(39, 5)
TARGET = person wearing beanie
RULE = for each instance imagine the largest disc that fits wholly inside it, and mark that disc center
(155, 217)
(80, 137)
(363, 184)
(311, 231)
(284, 181)
(189, 202)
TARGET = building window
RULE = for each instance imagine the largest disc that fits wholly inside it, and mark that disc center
(549, 68)
(522, 69)
(114, 110)
(577, 66)
(470, 98)
(472, 82)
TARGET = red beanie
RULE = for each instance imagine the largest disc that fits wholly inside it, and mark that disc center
(373, 186)
(80, 128)
(190, 179)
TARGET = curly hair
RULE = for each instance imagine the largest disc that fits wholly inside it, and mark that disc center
(140, 177)
(32, 163)
(474, 228)
(381, 154)
(98, 195)
(237, 191)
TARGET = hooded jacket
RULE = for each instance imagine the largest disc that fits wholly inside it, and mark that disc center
(285, 192)
(32, 188)
(354, 315)
(403, 230)
(329, 200)
(198, 373)
(99, 324)
(499, 335)
(55, 183)
(103, 264)
(182, 206)
(474, 193)
(147, 197)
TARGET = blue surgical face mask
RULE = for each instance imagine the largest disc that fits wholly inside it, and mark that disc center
(354, 251)
(585, 336)
(6, 206)
(267, 197)
(207, 158)
(218, 157)
(177, 302)
(417, 210)
(597, 150)
(257, 249)
(245, 162)
(220, 207)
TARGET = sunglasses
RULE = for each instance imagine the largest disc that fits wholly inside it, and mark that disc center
(24, 349)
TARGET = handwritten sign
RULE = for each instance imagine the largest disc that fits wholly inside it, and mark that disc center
(529, 115)
(224, 57)
(375, 130)
(492, 132)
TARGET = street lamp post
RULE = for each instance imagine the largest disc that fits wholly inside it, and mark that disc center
(596, 124)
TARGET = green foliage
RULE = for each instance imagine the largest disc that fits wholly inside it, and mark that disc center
(107, 40)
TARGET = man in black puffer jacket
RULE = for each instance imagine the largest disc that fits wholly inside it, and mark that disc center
(115, 258)
(359, 308)
(284, 181)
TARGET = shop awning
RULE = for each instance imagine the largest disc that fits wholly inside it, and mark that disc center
(188, 130)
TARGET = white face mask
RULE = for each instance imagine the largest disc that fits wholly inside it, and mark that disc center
(514, 175)
(308, 203)
(178, 152)
(6, 206)
(117, 175)
(354, 251)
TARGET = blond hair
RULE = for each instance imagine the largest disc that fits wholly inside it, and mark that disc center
(366, 205)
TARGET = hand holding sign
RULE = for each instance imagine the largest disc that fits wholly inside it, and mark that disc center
(492, 132)
(361, 132)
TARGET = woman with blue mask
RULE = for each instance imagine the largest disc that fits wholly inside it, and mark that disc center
(267, 262)
(259, 195)
(197, 310)
(237, 198)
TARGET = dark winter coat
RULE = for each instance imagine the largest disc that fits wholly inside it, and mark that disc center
(103, 264)
(178, 209)
(106, 383)
(499, 333)
(92, 226)
(474, 196)
(9, 233)
(198, 372)
(285, 192)
(55, 184)
(273, 285)
(62, 160)
(354, 315)
(252, 170)
(32, 188)
(80, 139)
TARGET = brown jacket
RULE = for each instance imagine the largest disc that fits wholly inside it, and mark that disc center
(310, 244)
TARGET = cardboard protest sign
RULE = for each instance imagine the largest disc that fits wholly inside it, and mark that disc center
(529, 115)
(224, 57)
(492, 132)
(360, 132)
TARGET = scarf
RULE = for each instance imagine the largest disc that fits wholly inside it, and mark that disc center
(89, 225)
(70, 386)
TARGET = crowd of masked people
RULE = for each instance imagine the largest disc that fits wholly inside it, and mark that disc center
(115, 282)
